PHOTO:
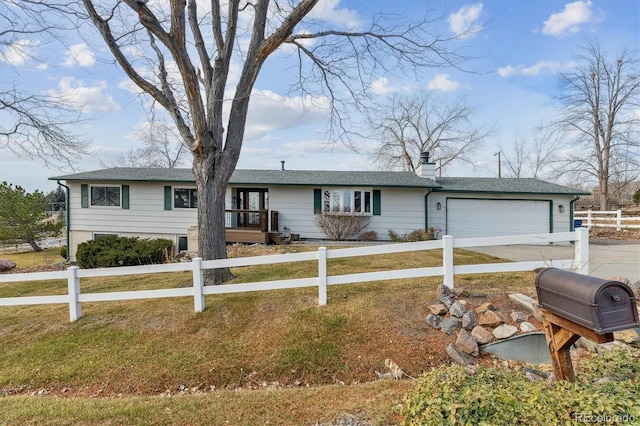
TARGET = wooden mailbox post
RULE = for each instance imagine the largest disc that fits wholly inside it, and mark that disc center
(576, 305)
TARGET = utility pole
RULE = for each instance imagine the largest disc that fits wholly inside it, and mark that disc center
(499, 164)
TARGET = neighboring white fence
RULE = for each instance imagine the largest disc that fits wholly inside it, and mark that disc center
(607, 219)
(45, 244)
(448, 270)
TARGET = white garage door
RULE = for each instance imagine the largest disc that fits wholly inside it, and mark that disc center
(469, 218)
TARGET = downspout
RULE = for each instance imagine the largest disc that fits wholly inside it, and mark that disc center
(67, 216)
(426, 209)
(572, 226)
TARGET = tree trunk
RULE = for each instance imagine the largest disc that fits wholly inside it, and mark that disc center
(212, 187)
(34, 244)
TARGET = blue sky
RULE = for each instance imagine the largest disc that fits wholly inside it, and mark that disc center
(519, 47)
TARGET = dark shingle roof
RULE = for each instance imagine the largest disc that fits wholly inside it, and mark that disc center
(261, 177)
(332, 178)
(503, 185)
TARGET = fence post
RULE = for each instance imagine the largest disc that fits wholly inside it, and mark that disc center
(582, 251)
(198, 282)
(73, 284)
(447, 260)
(589, 219)
(618, 220)
(322, 276)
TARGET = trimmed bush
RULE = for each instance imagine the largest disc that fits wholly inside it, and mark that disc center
(110, 250)
(607, 388)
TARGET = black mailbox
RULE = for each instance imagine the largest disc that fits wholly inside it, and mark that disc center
(601, 305)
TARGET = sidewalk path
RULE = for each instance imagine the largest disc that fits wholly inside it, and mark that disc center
(604, 260)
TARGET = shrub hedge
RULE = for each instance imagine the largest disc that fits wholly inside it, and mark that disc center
(607, 391)
(111, 250)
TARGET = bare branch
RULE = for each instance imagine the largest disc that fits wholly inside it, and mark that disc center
(420, 123)
(599, 119)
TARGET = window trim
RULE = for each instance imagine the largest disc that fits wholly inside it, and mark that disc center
(192, 190)
(90, 196)
(333, 191)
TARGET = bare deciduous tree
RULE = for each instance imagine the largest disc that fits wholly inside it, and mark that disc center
(34, 125)
(600, 120)
(532, 156)
(181, 53)
(420, 123)
(161, 147)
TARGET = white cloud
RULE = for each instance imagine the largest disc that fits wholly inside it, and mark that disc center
(79, 55)
(443, 83)
(536, 69)
(329, 11)
(569, 20)
(270, 112)
(539, 67)
(381, 87)
(19, 53)
(507, 71)
(84, 98)
(465, 22)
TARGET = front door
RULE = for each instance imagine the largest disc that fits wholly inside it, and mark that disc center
(253, 201)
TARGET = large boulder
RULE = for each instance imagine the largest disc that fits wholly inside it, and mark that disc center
(6, 265)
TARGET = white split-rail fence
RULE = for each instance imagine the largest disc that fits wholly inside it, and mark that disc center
(74, 298)
(44, 244)
(607, 219)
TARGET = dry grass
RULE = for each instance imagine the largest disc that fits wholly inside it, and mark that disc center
(319, 361)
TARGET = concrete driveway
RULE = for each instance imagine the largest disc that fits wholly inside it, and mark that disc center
(604, 260)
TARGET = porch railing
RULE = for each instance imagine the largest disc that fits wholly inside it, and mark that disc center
(251, 219)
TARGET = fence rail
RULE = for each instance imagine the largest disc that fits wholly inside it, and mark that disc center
(21, 248)
(198, 291)
(601, 219)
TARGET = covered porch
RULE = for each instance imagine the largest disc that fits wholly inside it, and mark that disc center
(252, 226)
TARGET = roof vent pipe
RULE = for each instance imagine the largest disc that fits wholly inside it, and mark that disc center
(282, 165)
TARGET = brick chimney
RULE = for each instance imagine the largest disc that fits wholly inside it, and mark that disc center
(426, 169)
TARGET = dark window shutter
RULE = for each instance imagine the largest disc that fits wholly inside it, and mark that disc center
(376, 202)
(125, 196)
(84, 195)
(167, 198)
(317, 201)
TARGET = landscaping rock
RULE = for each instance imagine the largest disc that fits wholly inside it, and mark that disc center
(450, 325)
(504, 331)
(486, 306)
(627, 336)
(529, 304)
(433, 321)
(518, 316)
(459, 356)
(467, 343)
(457, 309)
(527, 327)
(446, 301)
(438, 309)
(490, 319)
(6, 265)
(444, 291)
(460, 292)
(482, 335)
(469, 320)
